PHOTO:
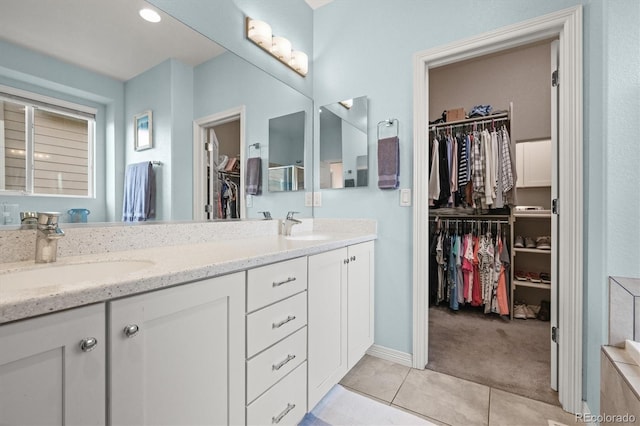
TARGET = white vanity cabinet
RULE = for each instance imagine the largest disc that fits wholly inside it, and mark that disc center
(340, 314)
(176, 355)
(277, 343)
(52, 369)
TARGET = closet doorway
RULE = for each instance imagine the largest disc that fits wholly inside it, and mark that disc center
(218, 159)
(566, 26)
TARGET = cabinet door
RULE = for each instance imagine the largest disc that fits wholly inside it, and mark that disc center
(360, 301)
(327, 322)
(185, 363)
(45, 375)
(533, 163)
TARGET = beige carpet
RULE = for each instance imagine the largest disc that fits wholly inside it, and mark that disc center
(510, 355)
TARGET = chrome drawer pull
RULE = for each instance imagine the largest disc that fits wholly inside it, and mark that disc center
(131, 330)
(88, 344)
(276, 420)
(279, 283)
(283, 322)
(281, 364)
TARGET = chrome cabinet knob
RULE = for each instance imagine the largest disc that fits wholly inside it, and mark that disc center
(346, 261)
(353, 258)
(131, 330)
(88, 344)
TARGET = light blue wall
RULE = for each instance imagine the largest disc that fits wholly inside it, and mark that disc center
(228, 81)
(166, 90)
(38, 73)
(223, 21)
(611, 63)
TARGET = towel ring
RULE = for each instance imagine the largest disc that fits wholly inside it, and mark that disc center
(388, 123)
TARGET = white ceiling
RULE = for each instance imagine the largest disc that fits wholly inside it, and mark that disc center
(105, 36)
(317, 3)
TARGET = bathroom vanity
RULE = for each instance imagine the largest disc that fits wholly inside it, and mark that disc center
(218, 332)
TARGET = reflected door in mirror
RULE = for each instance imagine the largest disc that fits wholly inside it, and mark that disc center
(286, 152)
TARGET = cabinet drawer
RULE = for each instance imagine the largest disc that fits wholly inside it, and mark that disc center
(271, 324)
(268, 284)
(283, 404)
(273, 364)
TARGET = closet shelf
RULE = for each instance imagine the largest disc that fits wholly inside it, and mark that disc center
(520, 283)
(543, 214)
(483, 119)
(531, 250)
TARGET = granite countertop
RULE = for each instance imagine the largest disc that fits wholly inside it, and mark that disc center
(172, 265)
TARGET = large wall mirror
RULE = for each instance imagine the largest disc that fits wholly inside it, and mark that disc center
(49, 49)
(344, 159)
(286, 152)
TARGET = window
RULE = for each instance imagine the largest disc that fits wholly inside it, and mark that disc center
(46, 147)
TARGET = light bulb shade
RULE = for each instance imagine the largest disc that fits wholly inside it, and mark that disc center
(259, 32)
(299, 62)
(281, 49)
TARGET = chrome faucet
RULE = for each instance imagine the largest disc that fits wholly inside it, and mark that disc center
(288, 223)
(47, 235)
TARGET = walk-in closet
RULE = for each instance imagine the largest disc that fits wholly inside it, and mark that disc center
(223, 173)
(491, 252)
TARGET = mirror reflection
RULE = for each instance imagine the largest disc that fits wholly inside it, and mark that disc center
(343, 144)
(127, 69)
(286, 152)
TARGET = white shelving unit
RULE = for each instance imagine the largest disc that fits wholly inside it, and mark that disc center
(533, 224)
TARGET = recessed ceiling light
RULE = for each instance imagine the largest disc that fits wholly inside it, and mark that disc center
(150, 15)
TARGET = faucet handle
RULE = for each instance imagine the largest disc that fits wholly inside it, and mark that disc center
(48, 218)
(266, 214)
(290, 214)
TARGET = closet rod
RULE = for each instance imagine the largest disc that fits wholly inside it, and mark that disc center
(476, 120)
(492, 221)
(470, 216)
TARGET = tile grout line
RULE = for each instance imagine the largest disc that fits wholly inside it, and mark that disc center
(400, 387)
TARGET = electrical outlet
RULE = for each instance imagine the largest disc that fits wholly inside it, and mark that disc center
(405, 197)
(317, 199)
(308, 199)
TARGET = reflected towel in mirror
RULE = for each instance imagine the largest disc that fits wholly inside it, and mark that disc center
(254, 181)
(139, 203)
(388, 163)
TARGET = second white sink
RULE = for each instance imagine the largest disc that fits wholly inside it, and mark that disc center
(56, 274)
(308, 237)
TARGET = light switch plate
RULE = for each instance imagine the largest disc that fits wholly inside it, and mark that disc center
(405, 197)
(317, 199)
(308, 199)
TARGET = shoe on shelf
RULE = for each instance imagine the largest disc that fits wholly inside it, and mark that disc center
(534, 308)
(520, 311)
(534, 277)
(545, 277)
(529, 243)
(519, 242)
(543, 243)
(545, 311)
(529, 312)
(520, 275)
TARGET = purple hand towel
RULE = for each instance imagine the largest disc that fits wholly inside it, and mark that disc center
(388, 163)
(254, 169)
(139, 203)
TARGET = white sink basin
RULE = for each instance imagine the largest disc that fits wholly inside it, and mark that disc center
(308, 237)
(57, 274)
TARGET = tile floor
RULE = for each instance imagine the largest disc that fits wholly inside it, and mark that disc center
(448, 400)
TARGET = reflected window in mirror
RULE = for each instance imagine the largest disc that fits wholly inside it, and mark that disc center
(344, 161)
(54, 157)
(286, 152)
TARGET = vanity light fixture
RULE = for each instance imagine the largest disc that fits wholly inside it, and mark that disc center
(150, 15)
(259, 32)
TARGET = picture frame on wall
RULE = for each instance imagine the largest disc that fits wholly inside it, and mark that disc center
(142, 131)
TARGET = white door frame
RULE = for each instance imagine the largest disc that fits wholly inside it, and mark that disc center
(199, 172)
(567, 26)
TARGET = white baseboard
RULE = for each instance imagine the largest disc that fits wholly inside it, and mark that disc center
(586, 413)
(392, 355)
